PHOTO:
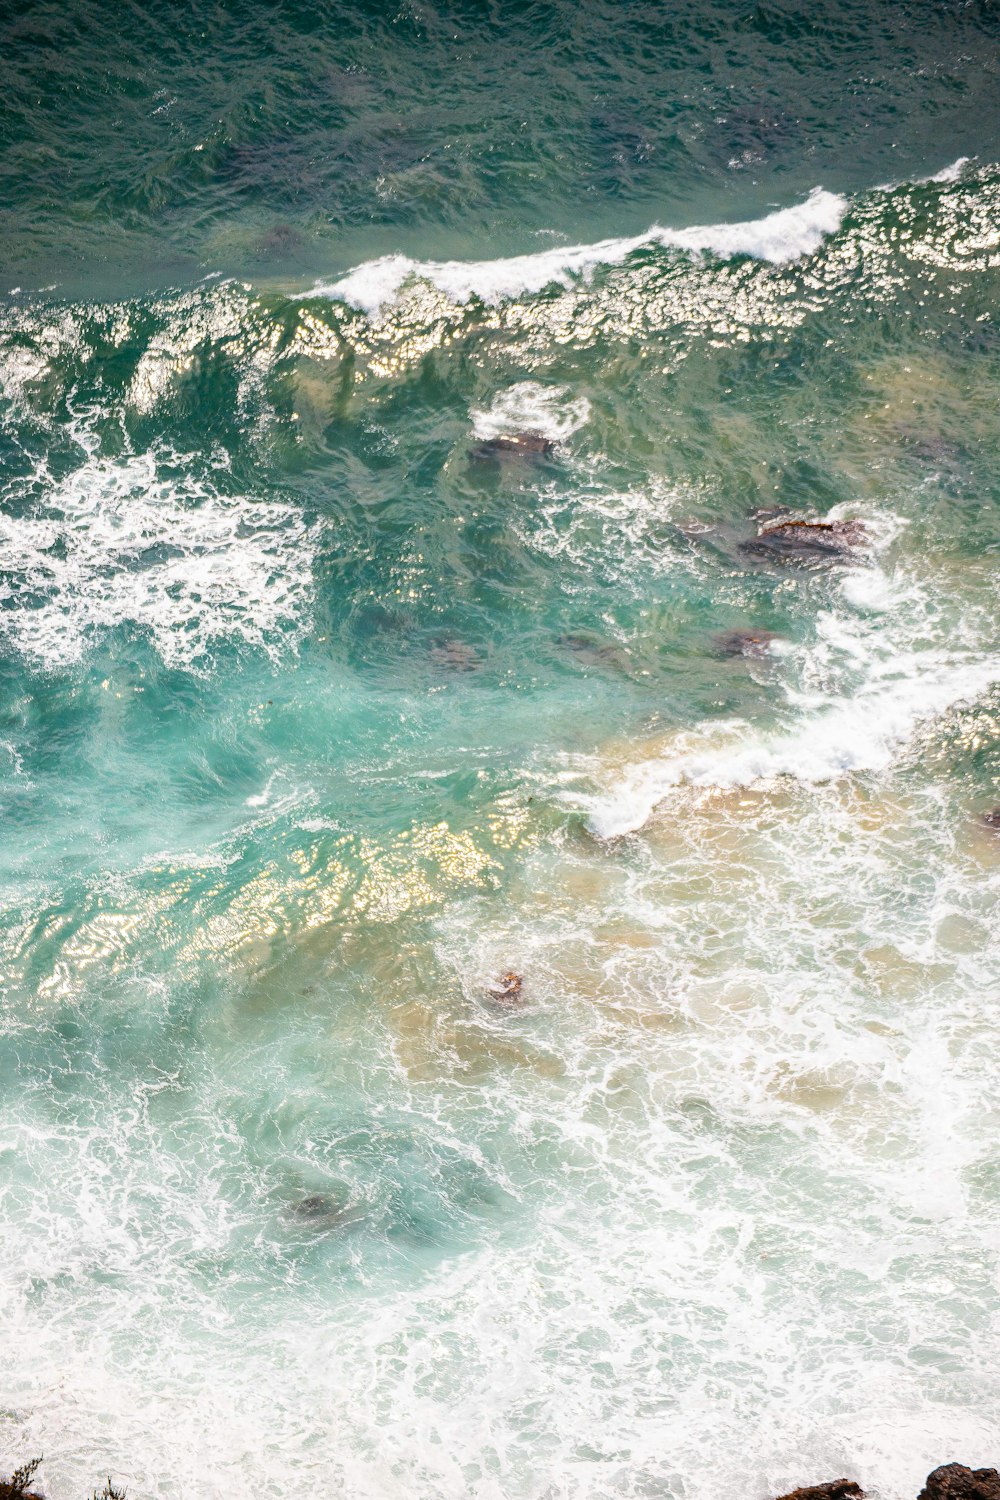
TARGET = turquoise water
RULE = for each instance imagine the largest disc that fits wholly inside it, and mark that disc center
(322, 710)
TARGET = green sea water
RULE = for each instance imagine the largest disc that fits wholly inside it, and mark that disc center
(325, 704)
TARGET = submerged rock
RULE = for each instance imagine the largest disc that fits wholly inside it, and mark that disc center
(834, 1489)
(750, 134)
(623, 147)
(455, 656)
(280, 240)
(325, 1211)
(991, 819)
(933, 449)
(744, 642)
(806, 541)
(956, 1482)
(507, 990)
(592, 651)
(514, 445)
(316, 1206)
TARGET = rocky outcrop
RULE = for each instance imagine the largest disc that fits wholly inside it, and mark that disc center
(834, 1489)
(744, 642)
(507, 990)
(516, 445)
(950, 1482)
(806, 541)
(956, 1482)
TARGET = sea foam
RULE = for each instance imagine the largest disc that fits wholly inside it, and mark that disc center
(116, 542)
(843, 735)
(865, 686)
(530, 406)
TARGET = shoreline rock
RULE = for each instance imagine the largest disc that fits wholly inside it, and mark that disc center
(949, 1482)
(952, 1481)
(834, 1489)
(956, 1482)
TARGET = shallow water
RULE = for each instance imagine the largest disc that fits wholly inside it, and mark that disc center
(324, 705)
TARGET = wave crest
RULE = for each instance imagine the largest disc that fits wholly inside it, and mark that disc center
(779, 237)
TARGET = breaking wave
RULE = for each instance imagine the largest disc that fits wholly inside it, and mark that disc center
(779, 237)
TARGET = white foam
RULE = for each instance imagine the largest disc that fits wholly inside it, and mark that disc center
(21, 367)
(611, 533)
(843, 735)
(949, 174)
(116, 542)
(531, 407)
(261, 799)
(868, 589)
(871, 677)
(779, 237)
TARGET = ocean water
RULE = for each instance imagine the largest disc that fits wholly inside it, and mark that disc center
(325, 705)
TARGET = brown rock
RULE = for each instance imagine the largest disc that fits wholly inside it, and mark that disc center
(834, 1489)
(514, 445)
(508, 989)
(956, 1482)
(806, 541)
(744, 642)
